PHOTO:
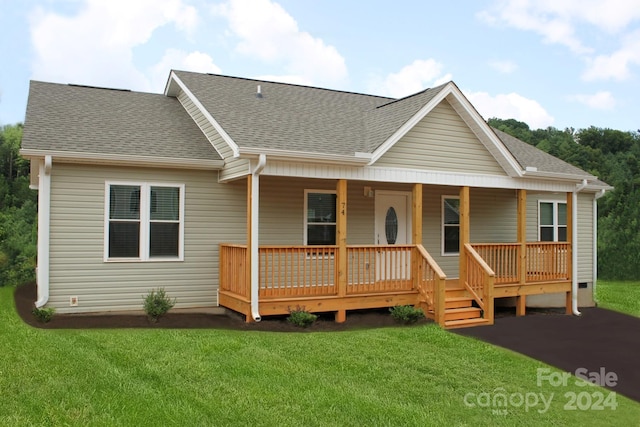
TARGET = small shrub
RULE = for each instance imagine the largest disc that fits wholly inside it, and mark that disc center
(43, 315)
(157, 303)
(300, 317)
(406, 314)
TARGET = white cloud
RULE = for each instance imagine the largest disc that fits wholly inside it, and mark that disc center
(504, 67)
(175, 59)
(602, 100)
(511, 106)
(413, 78)
(539, 16)
(267, 32)
(95, 46)
(617, 65)
(557, 20)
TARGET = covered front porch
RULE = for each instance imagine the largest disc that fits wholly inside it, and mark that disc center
(260, 280)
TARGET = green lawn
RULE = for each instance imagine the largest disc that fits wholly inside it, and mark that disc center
(619, 296)
(393, 376)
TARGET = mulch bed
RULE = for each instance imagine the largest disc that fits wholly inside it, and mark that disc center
(598, 339)
(26, 294)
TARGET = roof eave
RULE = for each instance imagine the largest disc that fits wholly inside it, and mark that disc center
(557, 175)
(357, 159)
(124, 160)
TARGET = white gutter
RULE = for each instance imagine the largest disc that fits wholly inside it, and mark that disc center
(44, 216)
(595, 238)
(535, 173)
(574, 246)
(255, 209)
(120, 159)
(357, 159)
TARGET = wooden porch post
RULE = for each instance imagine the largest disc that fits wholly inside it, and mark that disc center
(341, 240)
(416, 232)
(570, 209)
(464, 232)
(521, 300)
(416, 215)
(248, 317)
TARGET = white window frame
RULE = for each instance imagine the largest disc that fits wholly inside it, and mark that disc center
(306, 213)
(443, 225)
(555, 225)
(145, 221)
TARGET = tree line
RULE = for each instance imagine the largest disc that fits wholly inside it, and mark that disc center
(611, 155)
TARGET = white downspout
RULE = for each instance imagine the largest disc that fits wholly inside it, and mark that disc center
(44, 215)
(595, 238)
(255, 261)
(574, 245)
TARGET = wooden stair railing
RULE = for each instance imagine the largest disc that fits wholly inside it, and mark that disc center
(430, 281)
(478, 283)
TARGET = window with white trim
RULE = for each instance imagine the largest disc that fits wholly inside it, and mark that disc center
(320, 217)
(450, 225)
(552, 221)
(144, 221)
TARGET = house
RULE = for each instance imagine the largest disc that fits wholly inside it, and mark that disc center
(260, 196)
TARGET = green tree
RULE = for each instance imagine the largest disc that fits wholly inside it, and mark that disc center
(18, 211)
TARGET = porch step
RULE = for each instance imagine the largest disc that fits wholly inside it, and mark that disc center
(461, 313)
(458, 302)
(456, 293)
(465, 323)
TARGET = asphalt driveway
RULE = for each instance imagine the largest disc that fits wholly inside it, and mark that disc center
(599, 341)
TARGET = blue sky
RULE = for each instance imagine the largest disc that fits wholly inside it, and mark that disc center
(561, 63)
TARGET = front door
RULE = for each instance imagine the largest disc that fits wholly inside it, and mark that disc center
(392, 227)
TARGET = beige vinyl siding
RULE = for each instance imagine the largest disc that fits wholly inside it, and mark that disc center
(234, 168)
(214, 213)
(282, 209)
(585, 237)
(441, 141)
(207, 128)
(585, 246)
(493, 219)
(585, 228)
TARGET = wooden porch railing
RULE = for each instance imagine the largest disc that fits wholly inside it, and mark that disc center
(296, 271)
(233, 269)
(544, 261)
(548, 261)
(479, 281)
(378, 268)
(431, 283)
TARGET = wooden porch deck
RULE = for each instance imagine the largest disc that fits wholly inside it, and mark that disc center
(385, 276)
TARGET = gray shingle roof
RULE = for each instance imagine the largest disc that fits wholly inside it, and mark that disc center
(286, 117)
(300, 118)
(530, 156)
(106, 121)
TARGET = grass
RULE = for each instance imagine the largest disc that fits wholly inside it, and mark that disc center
(619, 296)
(390, 376)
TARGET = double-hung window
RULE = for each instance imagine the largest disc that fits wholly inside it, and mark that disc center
(144, 221)
(552, 221)
(450, 225)
(320, 217)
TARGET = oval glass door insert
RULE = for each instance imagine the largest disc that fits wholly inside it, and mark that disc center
(391, 226)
